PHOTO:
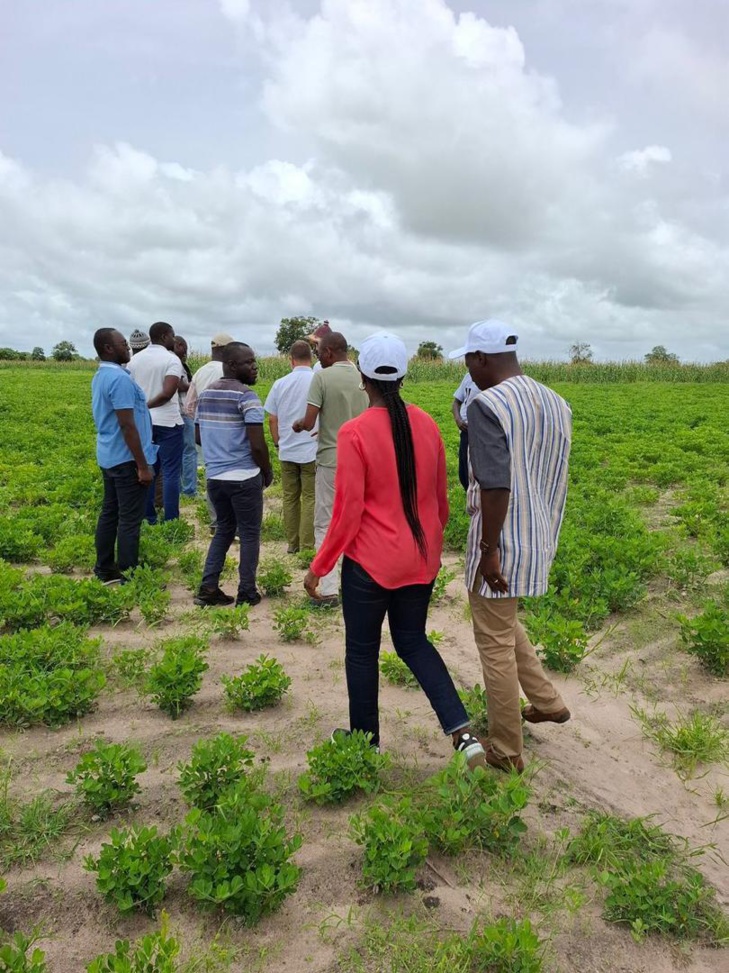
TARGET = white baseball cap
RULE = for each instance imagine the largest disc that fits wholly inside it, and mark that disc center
(383, 350)
(488, 336)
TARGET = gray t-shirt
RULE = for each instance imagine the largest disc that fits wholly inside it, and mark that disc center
(488, 449)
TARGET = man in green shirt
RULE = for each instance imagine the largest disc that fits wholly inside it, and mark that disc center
(335, 397)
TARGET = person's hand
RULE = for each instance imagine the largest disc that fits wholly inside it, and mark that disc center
(461, 424)
(490, 568)
(145, 475)
(311, 584)
(298, 426)
(267, 479)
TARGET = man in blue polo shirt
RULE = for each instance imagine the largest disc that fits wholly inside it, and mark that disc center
(125, 453)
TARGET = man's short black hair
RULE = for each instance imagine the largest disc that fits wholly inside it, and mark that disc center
(230, 352)
(158, 330)
(102, 338)
(335, 342)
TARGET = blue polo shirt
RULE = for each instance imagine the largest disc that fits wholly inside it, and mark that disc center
(114, 388)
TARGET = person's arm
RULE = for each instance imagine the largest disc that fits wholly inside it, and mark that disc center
(273, 429)
(170, 387)
(347, 510)
(307, 423)
(259, 452)
(491, 464)
(456, 410)
(125, 418)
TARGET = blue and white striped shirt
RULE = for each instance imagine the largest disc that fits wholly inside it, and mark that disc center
(537, 428)
(224, 411)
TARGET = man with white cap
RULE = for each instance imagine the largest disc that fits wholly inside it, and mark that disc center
(203, 378)
(519, 440)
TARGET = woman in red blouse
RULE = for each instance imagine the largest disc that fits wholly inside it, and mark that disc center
(390, 510)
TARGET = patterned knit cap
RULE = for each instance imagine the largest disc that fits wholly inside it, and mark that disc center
(138, 340)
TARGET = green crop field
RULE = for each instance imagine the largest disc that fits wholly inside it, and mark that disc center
(166, 777)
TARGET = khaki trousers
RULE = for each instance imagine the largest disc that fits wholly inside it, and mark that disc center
(297, 487)
(323, 505)
(508, 658)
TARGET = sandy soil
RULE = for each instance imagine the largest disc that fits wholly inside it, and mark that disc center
(598, 760)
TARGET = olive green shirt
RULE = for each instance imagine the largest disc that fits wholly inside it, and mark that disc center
(336, 393)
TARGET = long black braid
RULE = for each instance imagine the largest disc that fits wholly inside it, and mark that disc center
(402, 437)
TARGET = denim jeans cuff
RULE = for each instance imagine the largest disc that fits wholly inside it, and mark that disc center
(455, 729)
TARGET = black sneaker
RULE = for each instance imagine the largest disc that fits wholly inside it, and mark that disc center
(471, 745)
(212, 597)
(251, 600)
(114, 577)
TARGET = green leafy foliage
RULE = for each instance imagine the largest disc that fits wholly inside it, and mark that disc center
(132, 869)
(148, 589)
(74, 551)
(238, 855)
(562, 643)
(106, 777)
(341, 767)
(30, 829)
(215, 766)
(262, 683)
(464, 808)
(49, 675)
(20, 955)
(304, 557)
(477, 708)
(49, 598)
(292, 625)
(707, 637)
(694, 739)
(395, 671)
(394, 844)
(227, 623)
(443, 579)
(274, 577)
(130, 665)
(156, 952)
(190, 566)
(175, 678)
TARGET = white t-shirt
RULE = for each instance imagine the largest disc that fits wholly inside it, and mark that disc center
(466, 391)
(287, 401)
(149, 368)
(208, 373)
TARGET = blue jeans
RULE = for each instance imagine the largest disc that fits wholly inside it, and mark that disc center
(120, 521)
(189, 458)
(169, 462)
(364, 605)
(238, 507)
(463, 459)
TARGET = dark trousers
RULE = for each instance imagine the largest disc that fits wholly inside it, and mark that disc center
(120, 520)
(364, 605)
(169, 462)
(463, 459)
(238, 507)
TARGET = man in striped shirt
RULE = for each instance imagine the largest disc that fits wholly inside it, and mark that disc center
(229, 427)
(519, 441)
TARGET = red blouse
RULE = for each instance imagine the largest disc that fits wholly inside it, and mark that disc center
(368, 520)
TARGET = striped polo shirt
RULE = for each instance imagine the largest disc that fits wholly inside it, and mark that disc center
(520, 434)
(224, 411)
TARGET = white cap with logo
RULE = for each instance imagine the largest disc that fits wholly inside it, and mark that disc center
(489, 337)
(383, 350)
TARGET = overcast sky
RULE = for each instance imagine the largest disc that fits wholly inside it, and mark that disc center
(408, 164)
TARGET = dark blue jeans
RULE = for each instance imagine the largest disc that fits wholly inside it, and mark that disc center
(364, 605)
(169, 463)
(189, 458)
(120, 520)
(238, 507)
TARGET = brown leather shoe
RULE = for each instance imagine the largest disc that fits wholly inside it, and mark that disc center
(506, 764)
(533, 715)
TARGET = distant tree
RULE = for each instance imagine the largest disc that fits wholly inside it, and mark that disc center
(293, 329)
(10, 354)
(661, 356)
(580, 353)
(65, 351)
(37, 354)
(429, 349)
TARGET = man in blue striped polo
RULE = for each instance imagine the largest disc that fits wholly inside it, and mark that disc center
(519, 435)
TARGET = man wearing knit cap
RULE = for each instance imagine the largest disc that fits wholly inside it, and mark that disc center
(519, 436)
(204, 377)
(138, 341)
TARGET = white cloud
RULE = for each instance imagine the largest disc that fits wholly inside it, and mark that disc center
(423, 176)
(640, 160)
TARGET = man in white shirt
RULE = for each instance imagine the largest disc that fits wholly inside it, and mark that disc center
(158, 372)
(203, 378)
(461, 401)
(296, 450)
